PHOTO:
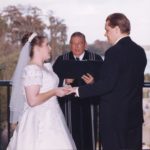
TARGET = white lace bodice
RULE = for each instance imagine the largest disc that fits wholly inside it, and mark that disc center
(43, 76)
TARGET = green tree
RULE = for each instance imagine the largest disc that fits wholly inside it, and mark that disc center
(19, 22)
(58, 36)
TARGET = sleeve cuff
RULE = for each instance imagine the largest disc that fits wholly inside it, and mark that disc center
(77, 92)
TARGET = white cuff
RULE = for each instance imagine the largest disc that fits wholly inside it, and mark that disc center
(77, 92)
(64, 83)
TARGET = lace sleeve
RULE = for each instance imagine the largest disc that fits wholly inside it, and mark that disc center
(32, 75)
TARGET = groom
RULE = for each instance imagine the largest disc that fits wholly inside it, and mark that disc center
(120, 88)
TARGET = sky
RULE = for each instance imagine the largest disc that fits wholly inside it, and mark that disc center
(88, 16)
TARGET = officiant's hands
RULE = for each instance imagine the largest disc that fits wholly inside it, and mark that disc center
(88, 78)
(69, 81)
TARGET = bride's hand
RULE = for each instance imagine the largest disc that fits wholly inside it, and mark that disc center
(62, 91)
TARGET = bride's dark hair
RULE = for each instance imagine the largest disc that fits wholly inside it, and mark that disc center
(37, 40)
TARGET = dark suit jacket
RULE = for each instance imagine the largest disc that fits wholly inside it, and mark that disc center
(120, 85)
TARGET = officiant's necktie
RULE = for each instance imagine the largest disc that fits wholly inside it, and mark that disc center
(77, 59)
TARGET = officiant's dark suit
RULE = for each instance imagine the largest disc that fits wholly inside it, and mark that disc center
(77, 112)
(120, 88)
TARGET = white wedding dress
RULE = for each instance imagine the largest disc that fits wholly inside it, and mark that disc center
(42, 127)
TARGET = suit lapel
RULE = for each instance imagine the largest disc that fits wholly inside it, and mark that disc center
(71, 57)
(86, 55)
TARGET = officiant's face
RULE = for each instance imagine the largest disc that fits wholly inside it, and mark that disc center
(77, 45)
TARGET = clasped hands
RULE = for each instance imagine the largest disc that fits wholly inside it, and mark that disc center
(63, 91)
(68, 89)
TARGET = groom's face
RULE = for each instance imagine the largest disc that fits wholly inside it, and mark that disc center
(111, 33)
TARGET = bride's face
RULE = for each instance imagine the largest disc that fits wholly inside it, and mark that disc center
(45, 49)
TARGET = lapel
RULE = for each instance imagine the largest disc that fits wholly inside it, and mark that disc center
(71, 57)
(86, 55)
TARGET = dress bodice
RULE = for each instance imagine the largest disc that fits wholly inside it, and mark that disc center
(43, 76)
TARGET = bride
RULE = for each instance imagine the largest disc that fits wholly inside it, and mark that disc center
(42, 125)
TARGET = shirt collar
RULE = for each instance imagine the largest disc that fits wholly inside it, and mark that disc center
(80, 57)
(119, 39)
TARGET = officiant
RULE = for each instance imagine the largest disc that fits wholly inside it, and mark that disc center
(80, 115)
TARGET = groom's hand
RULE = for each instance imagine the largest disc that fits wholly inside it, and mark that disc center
(72, 90)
